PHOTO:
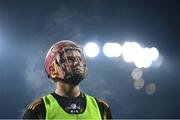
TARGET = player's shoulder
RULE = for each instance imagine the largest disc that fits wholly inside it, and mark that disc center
(35, 104)
(35, 110)
(102, 102)
(104, 109)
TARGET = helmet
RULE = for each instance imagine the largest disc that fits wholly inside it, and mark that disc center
(58, 49)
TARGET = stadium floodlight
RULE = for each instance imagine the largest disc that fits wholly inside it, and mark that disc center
(130, 51)
(143, 58)
(91, 49)
(154, 53)
(112, 49)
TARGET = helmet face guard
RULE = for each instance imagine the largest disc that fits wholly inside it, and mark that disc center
(73, 65)
(70, 57)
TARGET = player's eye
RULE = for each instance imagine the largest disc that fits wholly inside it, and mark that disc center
(79, 58)
(71, 59)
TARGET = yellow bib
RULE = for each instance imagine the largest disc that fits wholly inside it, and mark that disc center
(55, 111)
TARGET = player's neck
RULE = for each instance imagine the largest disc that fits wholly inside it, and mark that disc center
(67, 90)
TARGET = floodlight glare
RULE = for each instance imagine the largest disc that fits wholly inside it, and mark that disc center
(154, 53)
(130, 50)
(112, 49)
(143, 58)
(91, 49)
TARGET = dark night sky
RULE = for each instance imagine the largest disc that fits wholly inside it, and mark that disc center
(28, 29)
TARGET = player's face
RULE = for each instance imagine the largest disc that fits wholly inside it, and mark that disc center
(72, 62)
(72, 66)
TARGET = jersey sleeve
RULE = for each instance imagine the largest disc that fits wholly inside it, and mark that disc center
(104, 109)
(35, 110)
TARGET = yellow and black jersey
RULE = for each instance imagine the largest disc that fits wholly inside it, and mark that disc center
(37, 109)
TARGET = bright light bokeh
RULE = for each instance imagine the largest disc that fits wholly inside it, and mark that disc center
(112, 49)
(130, 50)
(137, 73)
(91, 49)
(150, 88)
(139, 84)
(143, 58)
(154, 53)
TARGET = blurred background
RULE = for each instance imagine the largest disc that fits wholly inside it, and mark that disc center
(28, 28)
